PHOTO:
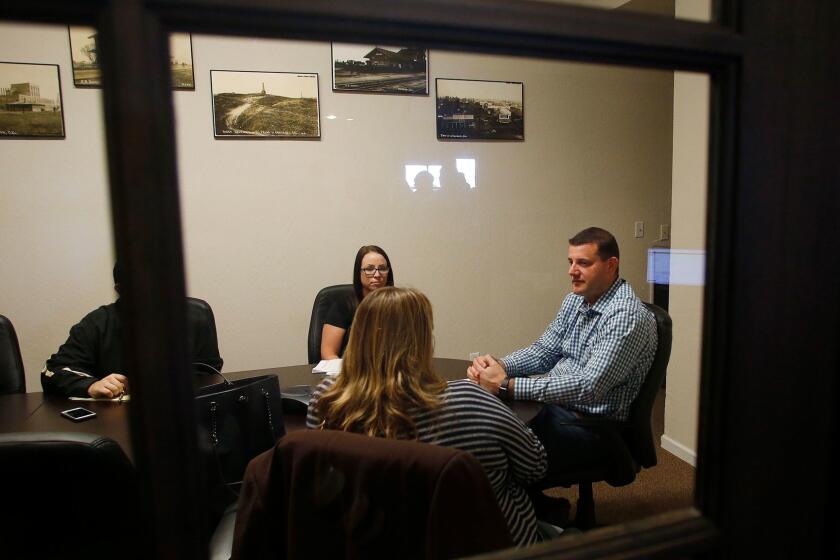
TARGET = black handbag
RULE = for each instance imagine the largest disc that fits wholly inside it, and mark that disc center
(239, 420)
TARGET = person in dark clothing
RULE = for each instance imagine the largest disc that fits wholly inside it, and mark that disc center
(89, 363)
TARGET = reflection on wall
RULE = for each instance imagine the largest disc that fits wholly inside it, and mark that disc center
(428, 177)
(423, 177)
(467, 168)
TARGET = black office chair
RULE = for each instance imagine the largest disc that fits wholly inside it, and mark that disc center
(630, 443)
(203, 339)
(323, 301)
(12, 379)
(68, 495)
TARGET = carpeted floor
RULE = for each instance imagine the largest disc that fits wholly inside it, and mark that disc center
(667, 486)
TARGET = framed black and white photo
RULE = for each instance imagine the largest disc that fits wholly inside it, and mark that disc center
(30, 101)
(479, 110)
(250, 104)
(84, 55)
(181, 61)
(380, 69)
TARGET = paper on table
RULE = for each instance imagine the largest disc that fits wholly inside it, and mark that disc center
(330, 367)
(121, 398)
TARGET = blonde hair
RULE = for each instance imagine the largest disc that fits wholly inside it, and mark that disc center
(387, 373)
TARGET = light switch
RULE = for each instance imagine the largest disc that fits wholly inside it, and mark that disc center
(639, 229)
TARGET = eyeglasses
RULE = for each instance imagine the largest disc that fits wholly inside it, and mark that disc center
(371, 270)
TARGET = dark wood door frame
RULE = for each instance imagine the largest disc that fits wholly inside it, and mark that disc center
(770, 358)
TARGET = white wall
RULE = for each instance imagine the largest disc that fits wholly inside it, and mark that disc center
(56, 245)
(688, 214)
(596, 149)
(269, 222)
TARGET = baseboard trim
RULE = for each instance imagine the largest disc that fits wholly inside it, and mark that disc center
(679, 450)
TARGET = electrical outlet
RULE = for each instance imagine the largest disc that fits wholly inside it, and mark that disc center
(664, 232)
(474, 355)
(639, 229)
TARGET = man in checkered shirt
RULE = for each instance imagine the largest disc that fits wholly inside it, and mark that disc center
(595, 355)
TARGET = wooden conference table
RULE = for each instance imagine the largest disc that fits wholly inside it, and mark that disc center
(36, 412)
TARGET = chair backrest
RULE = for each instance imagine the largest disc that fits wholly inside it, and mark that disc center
(12, 379)
(200, 317)
(68, 495)
(323, 301)
(639, 436)
(331, 494)
(203, 339)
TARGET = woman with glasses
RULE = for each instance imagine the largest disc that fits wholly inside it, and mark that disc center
(388, 388)
(372, 270)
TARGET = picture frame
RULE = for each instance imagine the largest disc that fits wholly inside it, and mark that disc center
(31, 105)
(181, 61)
(479, 109)
(84, 58)
(379, 69)
(257, 104)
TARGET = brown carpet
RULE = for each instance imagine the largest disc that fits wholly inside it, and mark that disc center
(667, 486)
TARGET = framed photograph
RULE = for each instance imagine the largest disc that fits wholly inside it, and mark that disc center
(84, 54)
(181, 61)
(249, 104)
(479, 110)
(377, 69)
(30, 101)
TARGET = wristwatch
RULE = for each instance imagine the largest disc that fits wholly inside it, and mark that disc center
(504, 391)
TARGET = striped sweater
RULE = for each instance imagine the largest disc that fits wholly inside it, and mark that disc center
(473, 420)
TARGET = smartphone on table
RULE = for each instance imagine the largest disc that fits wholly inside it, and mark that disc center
(78, 414)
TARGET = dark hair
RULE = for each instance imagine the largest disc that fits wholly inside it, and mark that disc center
(357, 268)
(607, 245)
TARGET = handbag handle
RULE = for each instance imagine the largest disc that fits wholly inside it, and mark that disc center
(268, 414)
(214, 435)
(202, 365)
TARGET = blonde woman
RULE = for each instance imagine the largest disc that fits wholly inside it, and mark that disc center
(389, 388)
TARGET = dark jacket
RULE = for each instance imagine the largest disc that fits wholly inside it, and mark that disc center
(94, 350)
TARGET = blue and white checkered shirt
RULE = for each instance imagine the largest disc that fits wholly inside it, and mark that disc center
(596, 356)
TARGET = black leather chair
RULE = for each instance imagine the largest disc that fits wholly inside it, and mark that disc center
(68, 495)
(75, 495)
(323, 301)
(12, 379)
(200, 317)
(203, 338)
(630, 443)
